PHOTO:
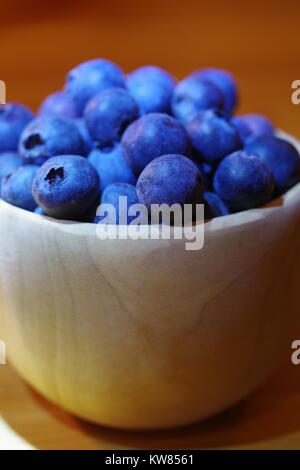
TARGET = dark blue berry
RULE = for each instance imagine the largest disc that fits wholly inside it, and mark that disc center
(108, 114)
(242, 127)
(13, 118)
(243, 181)
(207, 171)
(47, 136)
(151, 136)
(213, 136)
(170, 179)
(59, 104)
(39, 211)
(85, 135)
(66, 187)
(89, 78)
(258, 124)
(9, 161)
(281, 157)
(223, 80)
(16, 187)
(111, 166)
(213, 205)
(152, 89)
(194, 94)
(111, 195)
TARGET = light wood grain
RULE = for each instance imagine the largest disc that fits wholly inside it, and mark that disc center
(268, 419)
(143, 334)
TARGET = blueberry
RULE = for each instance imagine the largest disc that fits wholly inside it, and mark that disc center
(213, 205)
(223, 80)
(170, 179)
(89, 78)
(13, 118)
(151, 136)
(59, 104)
(213, 136)
(16, 187)
(194, 94)
(152, 89)
(47, 136)
(243, 181)
(281, 156)
(9, 161)
(111, 166)
(39, 211)
(108, 114)
(111, 195)
(242, 127)
(85, 135)
(258, 124)
(66, 187)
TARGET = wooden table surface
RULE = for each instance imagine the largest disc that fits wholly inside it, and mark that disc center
(268, 419)
(257, 41)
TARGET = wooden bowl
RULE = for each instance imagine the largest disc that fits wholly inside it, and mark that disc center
(144, 334)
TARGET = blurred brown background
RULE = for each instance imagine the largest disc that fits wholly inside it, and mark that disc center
(257, 40)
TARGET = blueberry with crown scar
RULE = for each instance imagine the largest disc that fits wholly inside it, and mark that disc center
(223, 80)
(108, 114)
(243, 181)
(59, 104)
(111, 166)
(213, 135)
(281, 157)
(111, 195)
(193, 95)
(47, 136)
(152, 88)
(170, 179)
(16, 187)
(258, 124)
(89, 78)
(13, 118)
(214, 206)
(66, 187)
(151, 136)
(9, 161)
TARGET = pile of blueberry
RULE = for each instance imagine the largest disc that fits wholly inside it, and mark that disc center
(144, 136)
